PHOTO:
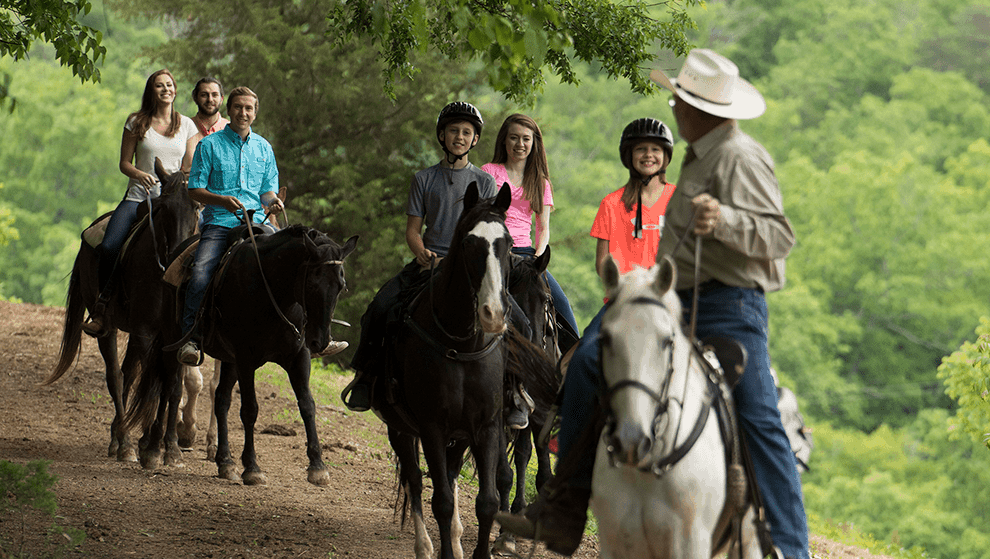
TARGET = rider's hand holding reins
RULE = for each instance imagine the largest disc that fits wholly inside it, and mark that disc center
(707, 213)
(274, 204)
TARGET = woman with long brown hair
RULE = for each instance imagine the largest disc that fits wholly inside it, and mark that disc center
(521, 161)
(157, 130)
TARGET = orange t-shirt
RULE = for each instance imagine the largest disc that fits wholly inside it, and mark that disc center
(615, 224)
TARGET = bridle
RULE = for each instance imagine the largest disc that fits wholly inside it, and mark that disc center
(658, 465)
(448, 352)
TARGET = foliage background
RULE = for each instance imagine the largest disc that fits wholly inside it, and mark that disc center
(877, 121)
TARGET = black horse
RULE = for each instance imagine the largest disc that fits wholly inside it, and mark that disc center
(529, 288)
(451, 358)
(274, 304)
(136, 304)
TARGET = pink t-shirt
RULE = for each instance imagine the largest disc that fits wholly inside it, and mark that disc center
(519, 217)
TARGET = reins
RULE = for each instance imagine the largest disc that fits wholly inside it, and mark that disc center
(264, 280)
(154, 238)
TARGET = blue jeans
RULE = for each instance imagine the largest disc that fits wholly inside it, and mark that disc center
(560, 302)
(740, 314)
(212, 245)
(113, 239)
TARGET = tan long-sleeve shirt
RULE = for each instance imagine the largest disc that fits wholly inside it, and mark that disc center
(752, 237)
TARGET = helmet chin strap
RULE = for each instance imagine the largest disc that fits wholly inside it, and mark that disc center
(638, 224)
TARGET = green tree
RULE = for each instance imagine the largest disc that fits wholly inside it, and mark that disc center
(516, 39)
(56, 22)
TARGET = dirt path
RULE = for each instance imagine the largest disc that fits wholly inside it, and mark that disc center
(187, 511)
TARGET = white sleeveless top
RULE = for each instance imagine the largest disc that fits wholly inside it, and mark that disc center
(169, 150)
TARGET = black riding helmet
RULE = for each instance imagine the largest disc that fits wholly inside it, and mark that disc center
(635, 132)
(459, 110)
(645, 129)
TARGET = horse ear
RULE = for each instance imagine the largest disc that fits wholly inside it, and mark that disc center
(543, 260)
(471, 196)
(504, 197)
(666, 275)
(610, 275)
(160, 170)
(348, 247)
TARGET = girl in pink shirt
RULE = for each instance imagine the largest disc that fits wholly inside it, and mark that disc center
(521, 161)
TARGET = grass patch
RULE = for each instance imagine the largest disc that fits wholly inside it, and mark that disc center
(847, 533)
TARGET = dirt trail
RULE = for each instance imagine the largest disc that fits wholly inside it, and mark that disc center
(187, 511)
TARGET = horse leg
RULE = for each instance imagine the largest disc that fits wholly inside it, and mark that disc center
(252, 474)
(521, 455)
(486, 450)
(192, 384)
(137, 348)
(505, 542)
(120, 444)
(211, 435)
(411, 482)
(434, 448)
(455, 459)
(172, 395)
(221, 405)
(543, 470)
(317, 472)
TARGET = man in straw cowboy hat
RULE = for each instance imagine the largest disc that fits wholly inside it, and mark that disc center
(728, 196)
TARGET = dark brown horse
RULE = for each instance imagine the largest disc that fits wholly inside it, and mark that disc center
(136, 304)
(273, 304)
(529, 288)
(451, 358)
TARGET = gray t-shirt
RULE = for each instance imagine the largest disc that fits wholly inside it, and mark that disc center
(437, 196)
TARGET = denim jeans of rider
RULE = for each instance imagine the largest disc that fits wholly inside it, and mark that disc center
(113, 239)
(212, 245)
(741, 314)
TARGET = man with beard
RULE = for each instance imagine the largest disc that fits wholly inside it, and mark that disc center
(208, 96)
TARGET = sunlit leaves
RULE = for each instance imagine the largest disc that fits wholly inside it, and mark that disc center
(517, 40)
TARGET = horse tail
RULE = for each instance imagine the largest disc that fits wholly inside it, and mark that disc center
(528, 364)
(143, 407)
(75, 308)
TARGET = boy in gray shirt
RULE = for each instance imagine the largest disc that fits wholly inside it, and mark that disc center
(435, 201)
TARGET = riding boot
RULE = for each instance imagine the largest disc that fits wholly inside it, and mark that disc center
(557, 518)
(94, 326)
(522, 406)
(357, 394)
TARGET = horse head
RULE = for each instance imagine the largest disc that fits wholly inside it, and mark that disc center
(480, 249)
(176, 214)
(529, 288)
(643, 350)
(322, 282)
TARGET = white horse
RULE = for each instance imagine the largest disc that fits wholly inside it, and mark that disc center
(655, 494)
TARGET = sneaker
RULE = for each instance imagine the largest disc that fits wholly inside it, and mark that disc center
(333, 348)
(94, 327)
(518, 419)
(189, 354)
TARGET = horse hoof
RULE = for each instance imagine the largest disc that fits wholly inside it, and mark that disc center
(254, 478)
(505, 545)
(151, 460)
(228, 471)
(211, 453)
(318, 477)
(126, 454)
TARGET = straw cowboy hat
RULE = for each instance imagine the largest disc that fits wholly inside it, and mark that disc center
(711, 82)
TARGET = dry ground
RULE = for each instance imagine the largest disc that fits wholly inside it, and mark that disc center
(187, 511)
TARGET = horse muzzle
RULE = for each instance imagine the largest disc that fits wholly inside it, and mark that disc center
(627, 444)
